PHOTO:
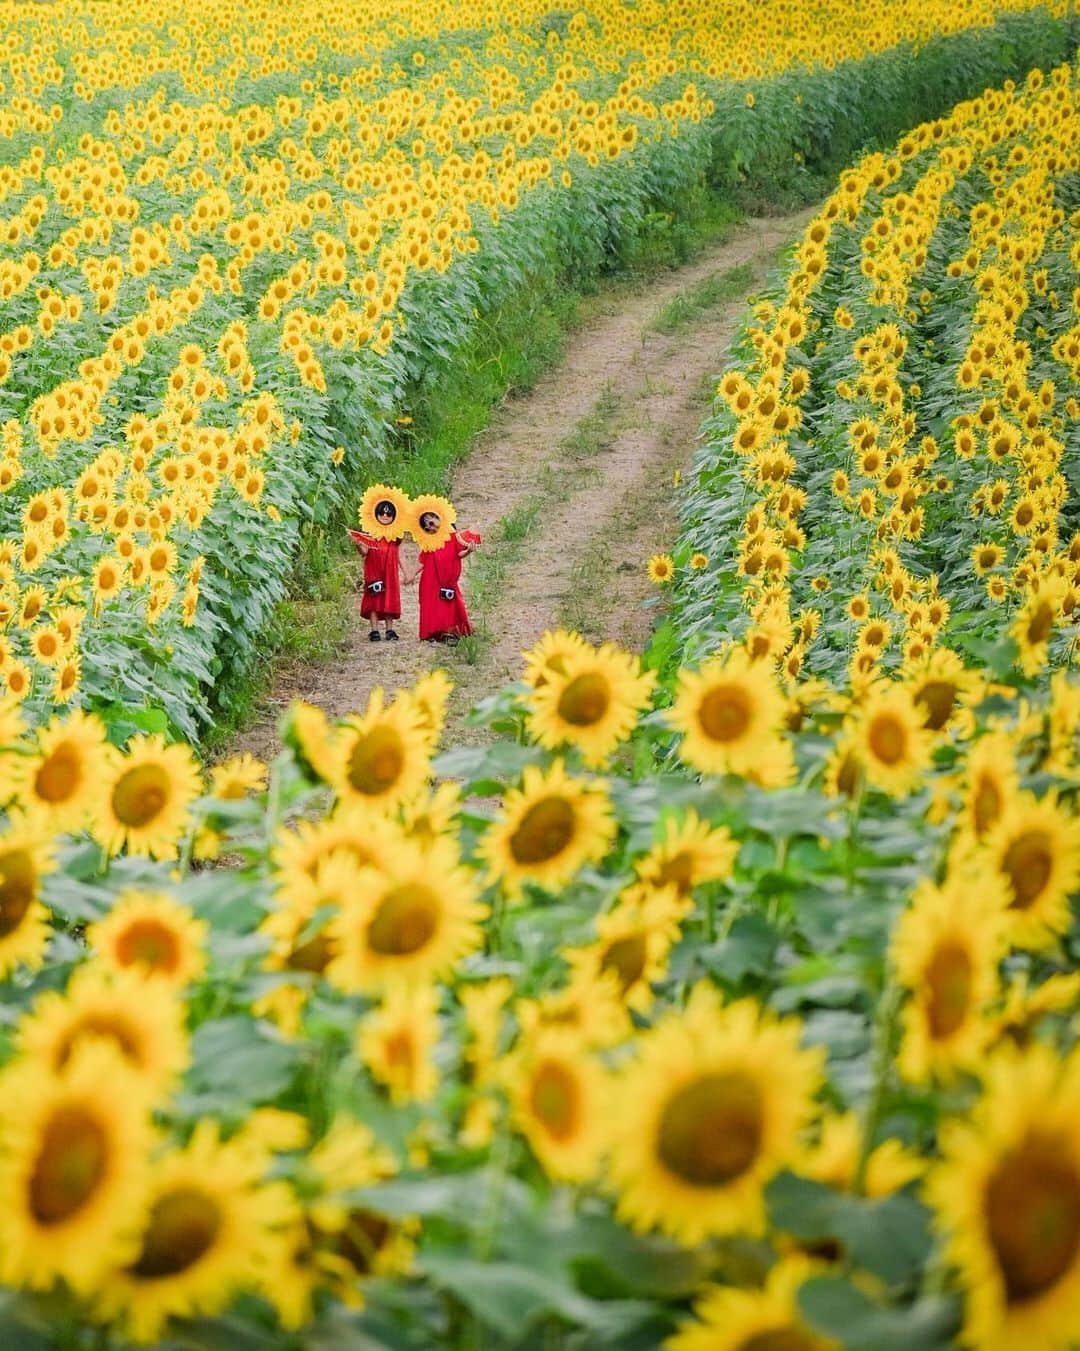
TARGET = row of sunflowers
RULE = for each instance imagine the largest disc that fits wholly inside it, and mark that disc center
(237, 244)
(726, 1006)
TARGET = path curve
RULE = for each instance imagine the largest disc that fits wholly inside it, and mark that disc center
(584, 463)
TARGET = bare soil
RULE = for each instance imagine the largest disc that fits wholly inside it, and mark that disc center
(604, 493)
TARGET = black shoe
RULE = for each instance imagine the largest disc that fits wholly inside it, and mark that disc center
(374, 636)
(391, 636)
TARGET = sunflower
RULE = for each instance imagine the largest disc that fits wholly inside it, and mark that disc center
(1035, 847)
(945, 950)
(590, 1005)
(431, 504)
(661, 569)
(699, 561)
(432, 815)
(549, 828)
(1034, 624)
(1024, 1007)
(429, 697)
(411, 921)
(834, 1159)
(307, 732)
(688, 853)
(61, 778)
(558, 1097)
(710, 1110)
(26, 856)
(396, 1042)
(940, 684)
(380, 757)
(144, 800)
(594, 705)
(153, 934)
(211, 1229)
(378, 495)
(353, 1242)
(236, 777)
(633, 942)
(299, 927)
(356, 830)
(890, 740)
(990, 783)
(769, 1319)
(549, 657)
(73, 1169)
(1007, 1198)
(730, 713)
(143, 1021)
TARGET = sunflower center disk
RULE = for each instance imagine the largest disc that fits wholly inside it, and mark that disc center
(59, 777)
(710, 1131)
(183, 1227)
(108, 1029)
(938, 697)
(887, 739)
(544, 831)
(725, 713)
(1033, 1215)
(1028, 862)
(626, 957)
(1040, 624)
(986, 805)
(150, 943)
(376, 762)
(17, 883)
(70, 1165)
(405, 921)
(554, 1099)
(140, 795)
(315, 955)
(948, 984)
(585, 700)
(363, 1238)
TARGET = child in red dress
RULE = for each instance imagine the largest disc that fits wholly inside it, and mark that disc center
(383, 574)
(443, 617)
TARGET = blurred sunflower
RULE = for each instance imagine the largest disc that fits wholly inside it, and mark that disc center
(549, 656)
(237, 776)
(143, 1021)
(74, 1169)
(834, 1159)
(429, 697)
(768, 1319)
(1035, 847)
(1007, 1198)
(396, 1041)
(62, 777)
(559, 1102)
(730, 713)
(890, 740)
(945, 951)
(26, 856)
(593, 705)
(380, 757)
(689, 852)
(144, 798)
(710, 1109)
(152, 934)
(212, 1226)
(411, 921)
(548, 828)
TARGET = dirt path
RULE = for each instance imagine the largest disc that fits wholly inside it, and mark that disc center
(570, 487)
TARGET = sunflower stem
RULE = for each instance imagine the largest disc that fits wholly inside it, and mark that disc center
(884, 1030)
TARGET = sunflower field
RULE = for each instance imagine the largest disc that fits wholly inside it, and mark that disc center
(238, 242)
(720, 999)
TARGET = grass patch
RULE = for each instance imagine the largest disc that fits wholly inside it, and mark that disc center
(720, 288)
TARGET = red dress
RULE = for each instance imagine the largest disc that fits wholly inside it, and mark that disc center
(440, 570)
(381, 565)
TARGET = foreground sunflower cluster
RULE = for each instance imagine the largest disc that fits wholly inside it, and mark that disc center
(236, 240)
(534, 1039)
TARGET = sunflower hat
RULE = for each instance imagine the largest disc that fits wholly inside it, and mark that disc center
(373, 499)
(434, 505)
